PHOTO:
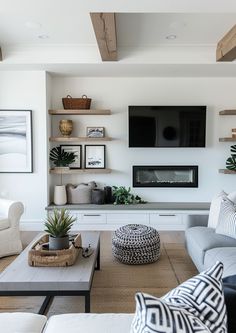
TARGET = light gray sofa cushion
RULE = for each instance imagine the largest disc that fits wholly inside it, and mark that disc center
(227, 255)
(201, 239)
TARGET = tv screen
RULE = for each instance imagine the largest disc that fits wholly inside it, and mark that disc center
(167, 126)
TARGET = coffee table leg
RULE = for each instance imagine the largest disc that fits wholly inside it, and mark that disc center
(87, 302)
(46, 305)
(97, 268)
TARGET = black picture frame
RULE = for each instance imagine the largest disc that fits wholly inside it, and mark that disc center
(18, 130)
(92, 156)
(73, 149)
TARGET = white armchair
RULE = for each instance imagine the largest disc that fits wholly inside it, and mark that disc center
(10, 213)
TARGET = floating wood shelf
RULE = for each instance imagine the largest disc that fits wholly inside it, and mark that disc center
(78, 139)
(80, 112)
(226, 171)
(227, 112)
(227, 139)
(78, 171)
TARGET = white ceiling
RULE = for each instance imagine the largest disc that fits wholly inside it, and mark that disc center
(142, 27)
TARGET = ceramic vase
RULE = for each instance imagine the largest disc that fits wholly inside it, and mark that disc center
(60, 195)
(66, 127)
(58, 243)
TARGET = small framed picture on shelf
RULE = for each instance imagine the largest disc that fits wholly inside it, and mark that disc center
(95, 132)
(94, 156)
(77, 150)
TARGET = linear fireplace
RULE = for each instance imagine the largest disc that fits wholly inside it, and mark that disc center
(165, 176)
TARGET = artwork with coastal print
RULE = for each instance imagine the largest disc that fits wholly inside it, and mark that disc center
(15, 141)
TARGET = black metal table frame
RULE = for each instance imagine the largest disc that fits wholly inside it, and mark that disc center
(50, 294)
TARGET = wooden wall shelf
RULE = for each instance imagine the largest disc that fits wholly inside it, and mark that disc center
(78, 139)
(80, 112)
(77, 171)
(227, 113)
(227, 139)
(226, 171)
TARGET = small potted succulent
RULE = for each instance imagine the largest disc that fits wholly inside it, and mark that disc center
(57, 225)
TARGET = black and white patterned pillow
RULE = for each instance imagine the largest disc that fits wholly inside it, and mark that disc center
(227, 219)
(197, 305)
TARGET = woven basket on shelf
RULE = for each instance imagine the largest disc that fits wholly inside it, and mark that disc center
(76, 103)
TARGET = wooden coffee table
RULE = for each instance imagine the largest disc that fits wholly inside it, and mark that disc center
(20, 279)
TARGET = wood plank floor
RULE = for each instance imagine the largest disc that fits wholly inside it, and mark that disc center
(115, 285)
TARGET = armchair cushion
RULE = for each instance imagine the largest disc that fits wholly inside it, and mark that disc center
(4, 223)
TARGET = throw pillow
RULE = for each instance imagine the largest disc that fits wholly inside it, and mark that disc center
(215, 209)
(227, 219)
(197, 305)
(154, 315)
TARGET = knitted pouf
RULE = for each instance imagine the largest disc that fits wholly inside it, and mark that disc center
(136, 244)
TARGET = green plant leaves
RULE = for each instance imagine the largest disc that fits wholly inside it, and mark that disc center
(231, 163)
(61, 158)
(59, 223)
(233, 150)
(123, 196)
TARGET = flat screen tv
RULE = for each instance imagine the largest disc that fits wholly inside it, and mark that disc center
(167, 126)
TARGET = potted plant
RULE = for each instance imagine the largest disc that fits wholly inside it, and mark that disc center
(60, 158)
(57, 225)
(122, 196)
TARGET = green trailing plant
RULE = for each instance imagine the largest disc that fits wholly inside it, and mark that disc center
(123, 196)
(61, 158)
(231, 161)
(59, 223)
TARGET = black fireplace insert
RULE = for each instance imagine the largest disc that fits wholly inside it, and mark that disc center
(165, 176)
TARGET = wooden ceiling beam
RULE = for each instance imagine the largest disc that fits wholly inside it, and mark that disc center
(104, 25)
(226, 47)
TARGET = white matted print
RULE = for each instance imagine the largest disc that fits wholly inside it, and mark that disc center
(77, 150)
(16, 141)
(94, 156)
(95, 132)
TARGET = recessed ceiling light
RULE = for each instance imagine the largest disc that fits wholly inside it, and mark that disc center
(171, 37)
(44, 36)
(33, 25)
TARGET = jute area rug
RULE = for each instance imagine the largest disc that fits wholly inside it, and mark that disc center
(115, 285)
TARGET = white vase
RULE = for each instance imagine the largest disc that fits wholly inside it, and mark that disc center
(60, 195)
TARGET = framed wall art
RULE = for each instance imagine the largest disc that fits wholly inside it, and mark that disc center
(77, 150)
(95, 132)
(16, 141)
(94, 156)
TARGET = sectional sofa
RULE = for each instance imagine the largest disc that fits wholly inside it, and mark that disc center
(205, 246)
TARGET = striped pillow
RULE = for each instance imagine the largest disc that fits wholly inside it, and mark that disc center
(227, 219)
(196, 306)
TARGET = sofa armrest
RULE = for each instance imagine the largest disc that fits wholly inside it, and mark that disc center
(11, 210)
(196, 221)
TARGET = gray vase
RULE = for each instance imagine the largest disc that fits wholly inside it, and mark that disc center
(59, 243)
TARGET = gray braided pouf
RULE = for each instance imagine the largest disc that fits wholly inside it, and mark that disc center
(136, 244)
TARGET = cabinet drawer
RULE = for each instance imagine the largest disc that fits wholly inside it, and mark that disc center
(92, 218)
(166, 219)
(127, 218)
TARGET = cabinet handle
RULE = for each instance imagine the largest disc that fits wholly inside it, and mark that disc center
(167, 214)
(92, 214)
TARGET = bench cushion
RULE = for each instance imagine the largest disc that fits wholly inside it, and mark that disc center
(19, 322)
(90, 323)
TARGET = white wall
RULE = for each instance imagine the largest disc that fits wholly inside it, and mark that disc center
(118, 93)
(27, 91)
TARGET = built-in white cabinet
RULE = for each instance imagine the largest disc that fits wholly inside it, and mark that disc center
(167, 221)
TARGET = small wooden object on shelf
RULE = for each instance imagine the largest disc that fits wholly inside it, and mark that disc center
(227, 171)
(38, 256)
(76, 103)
